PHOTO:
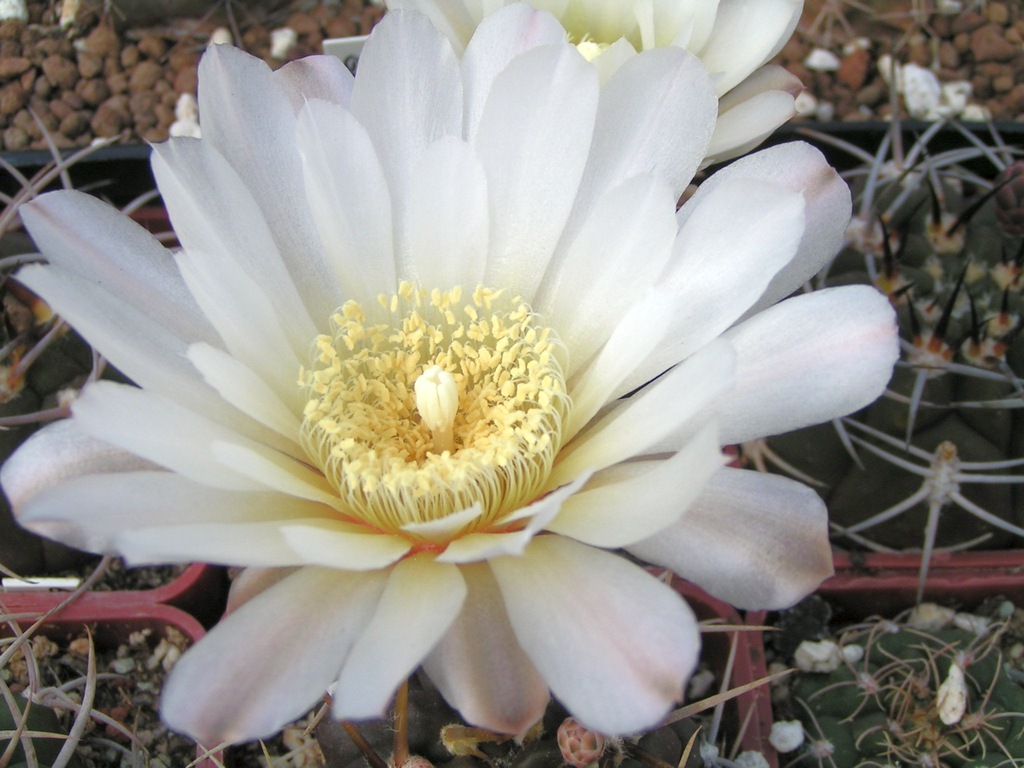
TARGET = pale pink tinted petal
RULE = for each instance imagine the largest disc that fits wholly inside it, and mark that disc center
(252, 581)
(752, 539)
(272, 659)
(619, 252)
(92, 511)
(533, 141)
(315, 77)
(447, 222)
(418, 605)
(350, 201)
(810, 359)
(344, 546)
(501, 37)
(249, 119)
(629, 502)
(661, 409)
(479, 667)
(572, 607)
(798, 167)
(57, 453)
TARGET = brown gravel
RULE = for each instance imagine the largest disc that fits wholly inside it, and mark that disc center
(983, 45)
(95, 80)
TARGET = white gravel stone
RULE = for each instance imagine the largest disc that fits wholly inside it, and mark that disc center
(786, 735)
(820, 60)
(818, 656)
(13, 9)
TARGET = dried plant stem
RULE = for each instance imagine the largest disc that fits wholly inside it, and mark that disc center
(364, 746)
(400, 752)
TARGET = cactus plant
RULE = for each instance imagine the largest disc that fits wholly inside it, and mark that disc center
(934, 230)
(916, 693)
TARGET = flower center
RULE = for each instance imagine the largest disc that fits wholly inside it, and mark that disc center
(428, 403)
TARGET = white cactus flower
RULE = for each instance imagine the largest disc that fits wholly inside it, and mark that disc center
(513, 222)
(733, 38)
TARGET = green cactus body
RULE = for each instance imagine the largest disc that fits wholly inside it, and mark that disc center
(959, 387)
(884, 709)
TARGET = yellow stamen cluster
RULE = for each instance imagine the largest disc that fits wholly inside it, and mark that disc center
(362, 423)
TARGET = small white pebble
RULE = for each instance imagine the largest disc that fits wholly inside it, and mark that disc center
(888, 72)
(805, 103)
(1016, 651)
(857, 44)
(700, 684)
(186, 117)
(786, 735)
(949, 7)
(170, 658)
(826, 111)
(282, 41)
(708, 752)
(751, 759)
(971, 623)
(820, 60)
(930, 616)
(975, 113)
(65, 397)
(818, 656)
(951, 698)
(221, 36)
(922, 92)
(954, 98)
(123, 666)
(13, 9)
(852, 653)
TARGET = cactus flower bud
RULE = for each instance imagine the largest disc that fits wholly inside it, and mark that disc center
(580, 746)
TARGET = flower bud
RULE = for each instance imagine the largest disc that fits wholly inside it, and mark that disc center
(580, 746)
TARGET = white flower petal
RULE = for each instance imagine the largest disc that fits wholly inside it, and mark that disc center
(420, 601)
(274, 470)
(447, 527)
(810, 359)
(570, 604)
(631, 501)
(56, 454)
(245, 114)
(726, 252)
(447, 221)
(92, 511)
(350, 201)
(641, 421)
(635, 338)
(801, 168)
(620, 250)
(757, 541)
(404, 115)
(501, 37)
(215, 214)
(256, 675)
(656, 115)
(239, 386)
(315, 77)
(94, 241)
(748, 124)
(479, 667)
(747, 33)
(533, 141)
(242, 312)
(475, 547)
(158, 430)
(343, 546)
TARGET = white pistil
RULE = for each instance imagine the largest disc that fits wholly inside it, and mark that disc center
(437, 400)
